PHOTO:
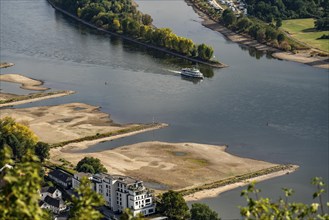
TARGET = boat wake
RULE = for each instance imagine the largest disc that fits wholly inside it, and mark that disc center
(174, 71)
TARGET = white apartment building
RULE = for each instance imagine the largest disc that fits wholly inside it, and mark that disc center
(121, 192)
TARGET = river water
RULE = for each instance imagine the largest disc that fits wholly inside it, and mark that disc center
(260, 107)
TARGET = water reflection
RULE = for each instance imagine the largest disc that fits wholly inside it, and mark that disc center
(207, 72)
(190, 79)
(253, 52)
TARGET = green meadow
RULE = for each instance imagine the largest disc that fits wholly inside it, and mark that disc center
(304, 31)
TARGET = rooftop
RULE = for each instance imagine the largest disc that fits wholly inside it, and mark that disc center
(61, 175)
(53, 202)
(49, 189)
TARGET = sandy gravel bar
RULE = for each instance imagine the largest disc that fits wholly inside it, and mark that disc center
(304, 57)
(6, 65)
(27, 83)
(214, 192)
(173, 165)
(30, 98)
(53, 124)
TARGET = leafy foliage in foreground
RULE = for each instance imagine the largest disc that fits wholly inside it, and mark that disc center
(20, 193)
(21, 139)
(128, 215)
(17, 136)
(84, 204)
(265, 208)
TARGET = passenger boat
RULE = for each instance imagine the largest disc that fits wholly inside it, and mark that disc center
(192, 72)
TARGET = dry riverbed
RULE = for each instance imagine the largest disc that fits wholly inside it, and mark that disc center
(174, 166)
(9, 99)
(53, 124)
(26, 83)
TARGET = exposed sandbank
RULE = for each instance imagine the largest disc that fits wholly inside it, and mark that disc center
(6, 65)
(176, 166)
(214, 192)
(53, 124)
(13, 99)
(26, 83)
(304, 56)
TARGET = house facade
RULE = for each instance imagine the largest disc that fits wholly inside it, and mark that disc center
(50, 191)
(121, 192)
(51, 198)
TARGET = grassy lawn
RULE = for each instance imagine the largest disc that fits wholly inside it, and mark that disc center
(303, 30)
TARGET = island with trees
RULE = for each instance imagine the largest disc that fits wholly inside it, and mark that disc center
(122, 19)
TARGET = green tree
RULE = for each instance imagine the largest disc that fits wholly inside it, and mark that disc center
(243, 24)
(281, 37)
(322, 24)
(278, 23)
(116, 25)
(263, 208)
(95, 163)
(271, 33)
(20, 194)
(261, 35)
(203, 212)
(228, 17)
(86, 168)
(83, 205)
(128, 215)
(205, 52)
(173, 205)
(147, 19)
(17, 136)
(42, 150)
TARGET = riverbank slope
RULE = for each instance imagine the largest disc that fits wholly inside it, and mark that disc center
(303, 56)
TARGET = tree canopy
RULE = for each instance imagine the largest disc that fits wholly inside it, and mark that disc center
(201, 211)
(42, 150)
(173, 205)
(17, 136)
(269, 10)
(91, 165)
